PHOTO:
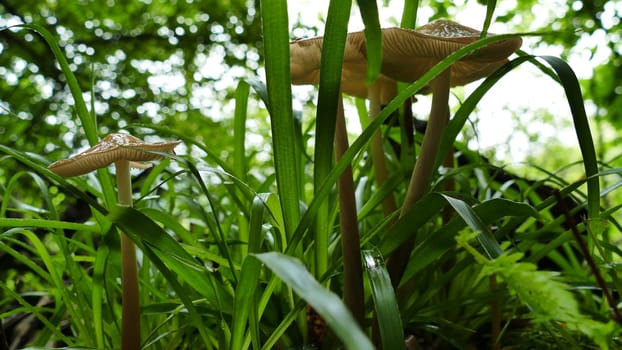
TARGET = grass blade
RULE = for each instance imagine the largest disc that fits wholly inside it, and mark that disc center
(373, 38)
(326, 303)
(276, 51)
(575, 100)
(383, 294)
(328, 100)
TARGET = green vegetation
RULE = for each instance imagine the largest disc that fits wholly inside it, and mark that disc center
(240, 238)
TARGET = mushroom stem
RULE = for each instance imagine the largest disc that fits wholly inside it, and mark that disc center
(424, 168)
(377, 151)
(130, 313)
(350, 240)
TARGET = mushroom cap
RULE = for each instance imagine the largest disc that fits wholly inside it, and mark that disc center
(305, 62)
(110, 149)
(407, 55)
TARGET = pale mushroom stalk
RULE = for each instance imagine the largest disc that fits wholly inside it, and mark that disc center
(424, 167)
(130, 306)
(389, 204)
(350, 240)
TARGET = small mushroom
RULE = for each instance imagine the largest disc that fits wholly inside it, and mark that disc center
(124, 151)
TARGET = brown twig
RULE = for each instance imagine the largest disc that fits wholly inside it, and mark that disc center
(617, 316)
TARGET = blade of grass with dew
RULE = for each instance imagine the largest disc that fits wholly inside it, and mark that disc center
(326, 303)
(388, 312)
(331, 63)
(276, 52)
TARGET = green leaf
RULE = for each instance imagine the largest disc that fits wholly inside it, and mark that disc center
(331, 64)
(409, 14)
(146, 233)
(485, 237)
(239, 129)
(325, 302)
(245, 302)
(373, 38)
(582, 128)
(440, 242)
(387, 309)
(278, 81)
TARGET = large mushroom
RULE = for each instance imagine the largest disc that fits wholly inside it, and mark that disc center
(407, 55)
(305, 62)
(124, 151)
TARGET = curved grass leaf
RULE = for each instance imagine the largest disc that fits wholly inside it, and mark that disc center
(582, 128)
(326, 303)
(440, 242)
(570, 84)
(146, 233)
(387, 310)
(87, 120)
(485, 237)
(30, 162)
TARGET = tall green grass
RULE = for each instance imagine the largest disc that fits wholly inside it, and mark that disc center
(229, 264)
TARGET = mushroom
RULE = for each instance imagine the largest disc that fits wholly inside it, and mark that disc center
(305, 62)
(305, 57)
(424, 48)
(407, 55)
(124, 151)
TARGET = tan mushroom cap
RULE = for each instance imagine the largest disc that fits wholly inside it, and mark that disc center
(407, 55)
(305, 61)
(110, 149)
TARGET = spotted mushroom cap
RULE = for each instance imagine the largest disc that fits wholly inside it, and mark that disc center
(407, 55)
(110, 149)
